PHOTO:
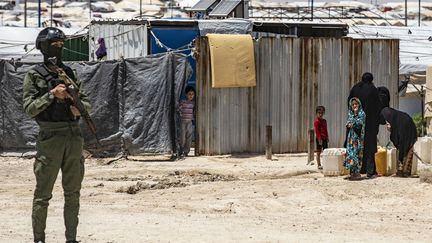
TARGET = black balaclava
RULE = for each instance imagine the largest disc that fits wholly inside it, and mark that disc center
(51, 51)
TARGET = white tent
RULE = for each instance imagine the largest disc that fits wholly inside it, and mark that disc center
(18, 43)
(415, 54)
(350, 5)
(187, 3)
(415, 48)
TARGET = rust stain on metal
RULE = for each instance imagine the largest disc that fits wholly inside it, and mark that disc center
(293, 76)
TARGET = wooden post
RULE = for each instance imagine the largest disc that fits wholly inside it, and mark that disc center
(268, 142)
(311, 137)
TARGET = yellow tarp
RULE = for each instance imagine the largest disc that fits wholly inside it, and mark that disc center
(232, 61)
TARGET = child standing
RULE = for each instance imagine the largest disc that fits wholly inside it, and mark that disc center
(187, 110)
(355, 140)
(321, 134)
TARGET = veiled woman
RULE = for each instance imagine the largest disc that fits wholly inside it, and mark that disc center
(403, 134)
(355, 138)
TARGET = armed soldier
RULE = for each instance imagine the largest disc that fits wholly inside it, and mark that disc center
(59, 143)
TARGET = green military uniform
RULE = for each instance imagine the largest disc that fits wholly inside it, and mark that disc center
(59, 146)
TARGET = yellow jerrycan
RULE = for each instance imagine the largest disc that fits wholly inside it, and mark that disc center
(381, 161)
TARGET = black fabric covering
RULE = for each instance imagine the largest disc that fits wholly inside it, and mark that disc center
(148, 114)
(384, 97)
(134, 104)
(368, 95)
(17, 131)
(403, 132)
(101, 83)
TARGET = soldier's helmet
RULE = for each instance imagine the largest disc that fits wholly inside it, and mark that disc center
(46, 36)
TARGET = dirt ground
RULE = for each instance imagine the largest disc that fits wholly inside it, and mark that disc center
(221, 199)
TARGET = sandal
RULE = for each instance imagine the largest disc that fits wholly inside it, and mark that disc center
(348, 177)
(399, 173)
(355, 177)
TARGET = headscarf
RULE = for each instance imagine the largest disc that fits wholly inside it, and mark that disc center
(355, 138)
(358, 120)
(101, 51)
(367, 77)
(384, 98)
(403, 132)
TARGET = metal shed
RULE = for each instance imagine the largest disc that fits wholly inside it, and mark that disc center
(122, 39)
(294, 75)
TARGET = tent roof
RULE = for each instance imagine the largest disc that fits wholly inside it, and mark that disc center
(15, 42)
(349, 4)
(415, 46)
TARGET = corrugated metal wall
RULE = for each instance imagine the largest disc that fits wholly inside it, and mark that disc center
(122, 40)
(294, 75)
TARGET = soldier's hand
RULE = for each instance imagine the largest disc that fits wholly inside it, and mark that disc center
(75, 111)
(59, 91)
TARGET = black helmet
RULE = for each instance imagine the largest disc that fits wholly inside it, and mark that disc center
(49, 34)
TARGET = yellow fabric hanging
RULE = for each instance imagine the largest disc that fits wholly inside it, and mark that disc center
(232, 61)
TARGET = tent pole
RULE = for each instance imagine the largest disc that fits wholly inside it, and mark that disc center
(406, 12)
(25, 13)
(419, 17)
(51, 13)
(39, 13)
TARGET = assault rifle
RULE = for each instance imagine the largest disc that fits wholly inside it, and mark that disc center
(73, 90)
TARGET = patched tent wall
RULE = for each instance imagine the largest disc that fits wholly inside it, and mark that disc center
(134, 104)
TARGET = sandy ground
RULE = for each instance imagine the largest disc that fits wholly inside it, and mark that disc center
(221, 199)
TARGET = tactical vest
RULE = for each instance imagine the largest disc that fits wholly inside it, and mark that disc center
(59, 110)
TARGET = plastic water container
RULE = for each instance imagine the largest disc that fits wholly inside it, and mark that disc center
(381, 161)
(391, 161)
(332, 162)
(385, 161)
(423, 148)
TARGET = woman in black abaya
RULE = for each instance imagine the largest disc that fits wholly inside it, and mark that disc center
(403, 135)
(366, 91)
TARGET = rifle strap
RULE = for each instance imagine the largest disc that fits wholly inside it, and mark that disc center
(44, 73)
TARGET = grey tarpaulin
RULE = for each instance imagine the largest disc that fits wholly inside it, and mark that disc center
(150, 108)
(134, 104)
(16, 129)
(227, 26)
(101, 82)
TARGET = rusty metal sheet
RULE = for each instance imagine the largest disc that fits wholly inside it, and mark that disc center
(294, 75)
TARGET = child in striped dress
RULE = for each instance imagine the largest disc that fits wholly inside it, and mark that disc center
(187, 108)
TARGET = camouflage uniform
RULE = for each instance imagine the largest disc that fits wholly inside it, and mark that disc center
(59, 147)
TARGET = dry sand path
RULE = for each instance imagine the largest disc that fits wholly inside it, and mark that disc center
(221, 199)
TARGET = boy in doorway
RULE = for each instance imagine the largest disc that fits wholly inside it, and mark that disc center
(321, 134)
(187, 111)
